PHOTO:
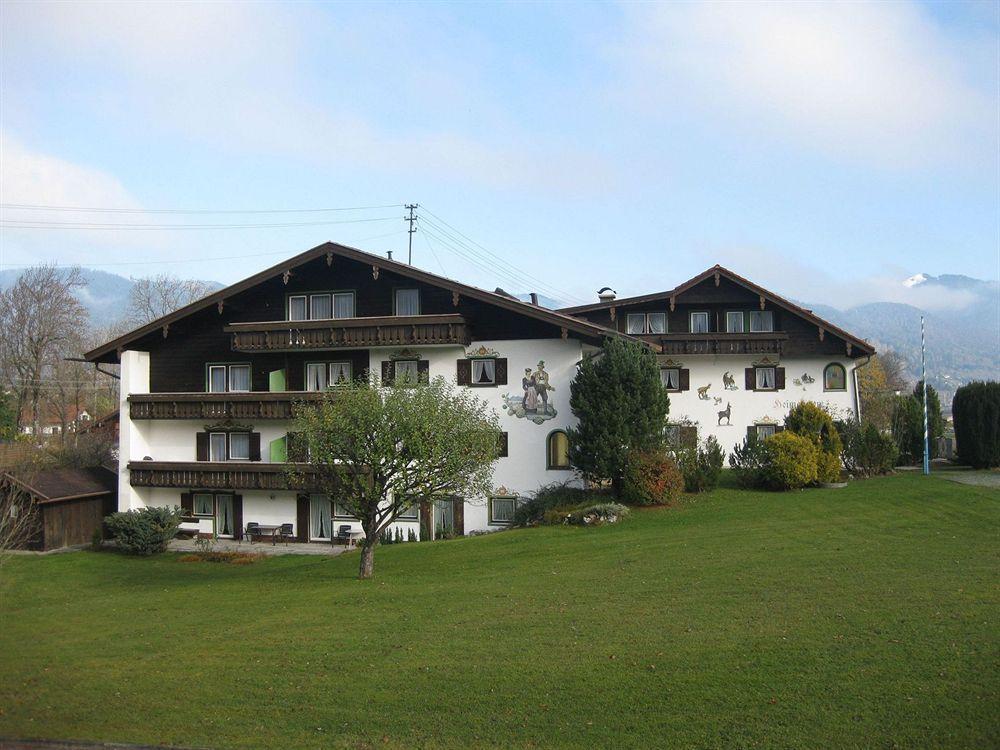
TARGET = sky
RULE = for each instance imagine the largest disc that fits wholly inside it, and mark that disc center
(827, 151)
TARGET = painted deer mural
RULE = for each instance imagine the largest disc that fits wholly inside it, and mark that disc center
(725, 414)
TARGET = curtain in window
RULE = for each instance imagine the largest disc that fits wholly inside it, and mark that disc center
(203, 505)
(765, 377)
(239, 445)
(407, 302)
(444, 514)
(671, 378)
(405, 371)
(503, 509)
(483, 371)
(218, 447)
(635, 324)
(296, 308)
(761, 321)
(217, 379)
(765, 431)
(657, 323)
(340, 372)
(734, 322)
(320, 512)
(315, 376)
(224, 516)
(699, 323)
(239, 378)
(343, 305)
(322, 307)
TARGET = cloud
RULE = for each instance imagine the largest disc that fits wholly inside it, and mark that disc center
(875, 81)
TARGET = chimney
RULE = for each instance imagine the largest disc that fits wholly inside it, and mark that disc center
(534, 298)
(606, 294)
(388, 254)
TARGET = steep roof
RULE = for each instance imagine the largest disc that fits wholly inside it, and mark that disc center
(736, 278)
(332, 249)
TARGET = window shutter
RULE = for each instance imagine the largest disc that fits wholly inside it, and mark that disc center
(689, 436)
(458, 515)
(187, 503)
(463, 371)
(501, 371)
(504, 445)
(751, 379)
(423, 371)
(387, 372)
(255, 446)
(201, 446)
(751, 432)
(302, 518)
(779, 428)
(779, 378)
(237, 516)
(685, 380)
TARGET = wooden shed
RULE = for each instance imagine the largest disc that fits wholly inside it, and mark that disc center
(66, 504)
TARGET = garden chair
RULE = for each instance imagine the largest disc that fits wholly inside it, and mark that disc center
(286, 532)
(344, 534)
(252, 528)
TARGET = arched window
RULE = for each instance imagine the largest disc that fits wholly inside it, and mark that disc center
(834, 377)
(557, 450)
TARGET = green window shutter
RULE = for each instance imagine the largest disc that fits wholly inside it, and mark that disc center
(276, 381)
(279, 450)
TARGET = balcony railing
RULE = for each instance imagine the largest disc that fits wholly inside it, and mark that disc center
(723, 343)
(216, 406)
(349, 333)
(218, 475)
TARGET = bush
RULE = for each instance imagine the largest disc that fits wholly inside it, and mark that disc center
(748, 462)
(145, 531)
(976, 410)
(651, 479)
(812, 421)
(828, 467)
(546, 498)
(601, 513)
(908, 429)
(867, 450)
(790, 461)
(700, 465)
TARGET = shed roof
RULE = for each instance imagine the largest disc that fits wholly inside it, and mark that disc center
(61, 484)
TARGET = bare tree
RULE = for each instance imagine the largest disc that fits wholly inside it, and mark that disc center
(19, 518)
(155, 296)
(39, 318)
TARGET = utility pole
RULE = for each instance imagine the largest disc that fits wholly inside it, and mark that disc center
(411, 218)
(923, 375)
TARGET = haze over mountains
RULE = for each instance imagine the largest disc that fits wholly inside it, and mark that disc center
(963, 326)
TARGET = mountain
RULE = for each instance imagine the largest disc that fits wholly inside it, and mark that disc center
(105, 296)
(963, 339)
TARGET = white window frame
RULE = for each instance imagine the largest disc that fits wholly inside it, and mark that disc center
(329, 373)
(743, 321)
(312, 304)
(211, 503)
(762, 315)
(225, 378)
(640, 318)
(395, 299)
(211, 446)
(353, 304)
(649, 323)
(758, 371)
(708, 321)
(411, 514)
(416, 371)
(229, 381)
(473, 381)
(493, 520)
(229, 442)
(664, 382)
(305, 307)
(319, 368)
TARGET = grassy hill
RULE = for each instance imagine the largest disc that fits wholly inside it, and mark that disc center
(863, 617)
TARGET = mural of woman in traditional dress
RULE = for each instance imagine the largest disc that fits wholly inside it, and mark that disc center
(528, 383)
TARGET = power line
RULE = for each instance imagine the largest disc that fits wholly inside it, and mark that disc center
(95, 209)
(72, 225)
(430, 245)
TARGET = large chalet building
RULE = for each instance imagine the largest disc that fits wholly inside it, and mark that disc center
(207, 391)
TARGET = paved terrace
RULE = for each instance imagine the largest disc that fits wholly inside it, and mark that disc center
(266, 548)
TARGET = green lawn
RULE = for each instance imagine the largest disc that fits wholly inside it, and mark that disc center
(864, 617)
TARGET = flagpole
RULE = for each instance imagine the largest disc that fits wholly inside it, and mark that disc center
(923, 375)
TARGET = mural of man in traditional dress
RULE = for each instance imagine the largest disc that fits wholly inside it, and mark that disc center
(533, 403)
(542, 386)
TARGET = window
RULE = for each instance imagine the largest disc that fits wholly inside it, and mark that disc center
(315, 376)
(204, 504)
(407, 302)
(735, 322)
(343, 305)
(339, 373)
(639, 323)
(484, 372)
(410, 514)
(834, 377)
(764, 431)
(502, 510)
(761, 321)
(341, 513)
(320, 307)
(323, 375)
(217, 446)
(765, 378)
(297, 308)
(671, 378)
(239, 446)
(222, 378)
(699, 322)
(320, 523)
(672, 435)
(558, 451)
(404, 371)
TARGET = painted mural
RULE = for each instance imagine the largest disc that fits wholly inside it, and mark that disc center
(533, 403)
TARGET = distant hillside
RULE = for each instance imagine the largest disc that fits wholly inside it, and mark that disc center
(105, 296)
(543, 301)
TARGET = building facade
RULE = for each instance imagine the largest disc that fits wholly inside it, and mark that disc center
(207, 391)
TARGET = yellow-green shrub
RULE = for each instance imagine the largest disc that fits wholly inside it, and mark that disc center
(791, 461)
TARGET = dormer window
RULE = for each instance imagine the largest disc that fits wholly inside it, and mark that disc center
(699, 322)
(761, 321)
(407, 302)
(735, 322)
(646, 323)
(321, 306)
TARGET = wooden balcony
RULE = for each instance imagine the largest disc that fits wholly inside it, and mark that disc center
(349, 333)
(217, 475)
(216, 406)
(723, 343)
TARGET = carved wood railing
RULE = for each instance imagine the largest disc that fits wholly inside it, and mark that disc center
(349, 333)
(216, 406)
(218, 475)
(723, 343)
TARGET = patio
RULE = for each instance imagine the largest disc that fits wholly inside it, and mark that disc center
(265, 548)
